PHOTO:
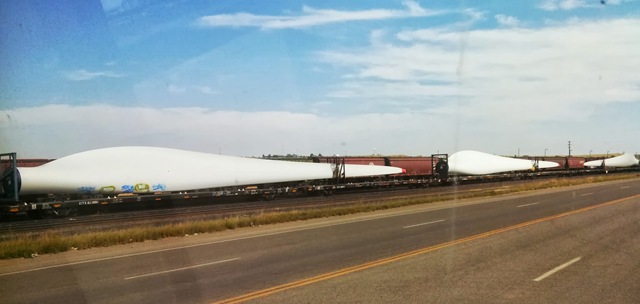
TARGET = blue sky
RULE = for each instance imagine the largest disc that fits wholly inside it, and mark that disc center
(331, 77)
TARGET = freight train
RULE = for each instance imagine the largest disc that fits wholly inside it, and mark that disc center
(425, 166)
(134, 175)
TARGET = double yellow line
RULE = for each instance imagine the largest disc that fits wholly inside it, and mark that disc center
(344, 271)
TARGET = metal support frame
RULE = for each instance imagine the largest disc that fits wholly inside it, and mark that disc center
(339, 172)
(536, 164)
(10, 178)
(440, 157)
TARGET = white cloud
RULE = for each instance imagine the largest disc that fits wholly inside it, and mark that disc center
(176, 89)
(414, 8)
(474, 15)
(82, 75)
(206, 90)
(109, 5)
(172, 88)
(311, 17)
(507, 20)
(553, 5)
(54, 131)
(58, 130)
(507, 75)
(566, 5)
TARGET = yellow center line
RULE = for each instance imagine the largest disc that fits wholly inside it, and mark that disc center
(348, 270)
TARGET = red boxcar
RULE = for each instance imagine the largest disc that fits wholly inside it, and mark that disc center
(575, 162)
(24, 162)
(413, 165)
(377, 161)
(562, 161)
(570, 162)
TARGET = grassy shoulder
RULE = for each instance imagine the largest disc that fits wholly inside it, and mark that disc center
(31, 246)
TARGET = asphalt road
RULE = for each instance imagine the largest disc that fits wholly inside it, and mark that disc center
(464, 251)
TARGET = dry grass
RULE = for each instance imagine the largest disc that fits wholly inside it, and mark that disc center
(30, 246)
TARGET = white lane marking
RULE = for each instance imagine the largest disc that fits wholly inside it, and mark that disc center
(625, 187)
(416, 225)
(552, 271)
(585, 194)
(179, 269)
(525, 205)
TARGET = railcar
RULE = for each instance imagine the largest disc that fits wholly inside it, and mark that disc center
(411, 171)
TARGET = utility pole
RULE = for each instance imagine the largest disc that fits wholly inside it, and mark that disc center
(569, 148)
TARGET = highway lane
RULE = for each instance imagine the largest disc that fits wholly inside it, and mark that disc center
(219, 269)
(588, 257)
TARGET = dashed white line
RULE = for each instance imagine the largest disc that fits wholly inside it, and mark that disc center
(422, 224)
(625, 187)
(525, 205)
(585, 194)
(179, 269)
(552, 271)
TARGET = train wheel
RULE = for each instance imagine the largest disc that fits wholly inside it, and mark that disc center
(269, 197)
(41, 214)
(65, 212)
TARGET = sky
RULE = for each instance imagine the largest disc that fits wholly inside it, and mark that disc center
(253, 78)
